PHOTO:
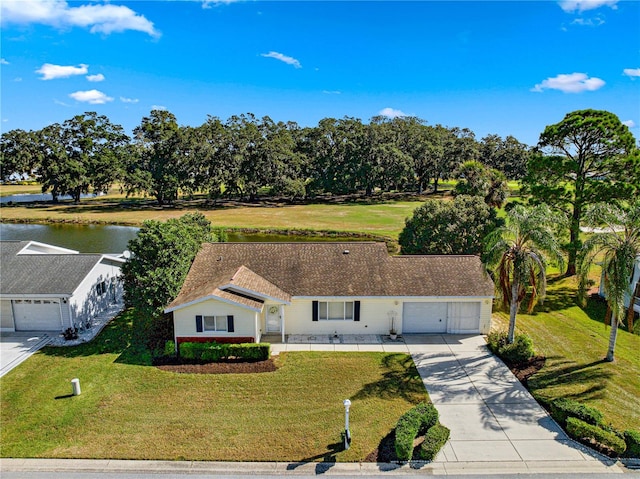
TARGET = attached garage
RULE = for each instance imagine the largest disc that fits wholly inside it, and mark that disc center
(442, 317)
(37, 314)
(424, 318)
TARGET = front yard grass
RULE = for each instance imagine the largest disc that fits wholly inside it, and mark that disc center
(131, 410)
(574, 341)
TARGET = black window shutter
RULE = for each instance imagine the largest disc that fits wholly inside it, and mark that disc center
(230, 324)
(356, 310)
(199, 324)
(314, 311)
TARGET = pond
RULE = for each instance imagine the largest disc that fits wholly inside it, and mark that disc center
(114, 239)
(31, 197)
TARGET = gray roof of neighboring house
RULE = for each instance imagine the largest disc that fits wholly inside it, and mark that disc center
(330, 269)
(41, 273)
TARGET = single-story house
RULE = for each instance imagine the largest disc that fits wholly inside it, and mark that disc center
(240, 291)
(49, 288)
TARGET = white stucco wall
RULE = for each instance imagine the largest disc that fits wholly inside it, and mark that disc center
(374, 317)
(6, 316)
(184, 320)
(86, 302)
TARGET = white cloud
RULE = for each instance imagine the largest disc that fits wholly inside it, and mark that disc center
(283, 58)
(128, 100)
(58, 102)
(629, 123)
(102, 18)
(3, 61)
(158, 107)
(17, 79)
(331, 92)
(570, 83)
(93, 97)
(571, 6)
(51, 72)
(95, 78)
(391, 113)
(589, 22)
(632, 72)
(215, 3)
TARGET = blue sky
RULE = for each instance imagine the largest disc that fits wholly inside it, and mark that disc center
(503, 67)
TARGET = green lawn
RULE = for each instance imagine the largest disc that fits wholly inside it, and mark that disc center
(134, 411)
(574, 340)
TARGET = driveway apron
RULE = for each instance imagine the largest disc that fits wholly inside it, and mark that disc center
(492, 417)
(18, 347)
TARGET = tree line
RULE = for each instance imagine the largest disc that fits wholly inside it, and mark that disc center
(245, 155)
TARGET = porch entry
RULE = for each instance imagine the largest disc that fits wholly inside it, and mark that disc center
(273, 319)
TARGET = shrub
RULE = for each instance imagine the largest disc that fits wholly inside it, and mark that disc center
(583, 431)
(170, 348)
(436, 436)
(632, 439)
(415, 420)
(562, 409)
(520, 351)
(214, 352)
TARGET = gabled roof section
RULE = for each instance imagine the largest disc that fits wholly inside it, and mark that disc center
(284, 270)
(41, 273)
(247, 282)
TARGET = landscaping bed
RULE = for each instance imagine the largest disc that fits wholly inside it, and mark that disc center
(224, 367)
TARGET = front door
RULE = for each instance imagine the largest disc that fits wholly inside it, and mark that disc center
(273, 319)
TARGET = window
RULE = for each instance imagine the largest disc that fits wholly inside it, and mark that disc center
(215, 323)
(101, 288)
(335, 310)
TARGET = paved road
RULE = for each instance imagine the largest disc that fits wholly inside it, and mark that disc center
(492, 417)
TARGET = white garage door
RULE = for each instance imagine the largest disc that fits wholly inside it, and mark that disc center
(464, 318)
(37, 315)
(424, 318)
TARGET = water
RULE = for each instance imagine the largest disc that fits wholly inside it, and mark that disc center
(83, 238)
(30, 197)
(114, 239)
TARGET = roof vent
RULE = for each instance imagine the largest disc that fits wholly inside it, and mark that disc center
(346, 251)
(219, 258)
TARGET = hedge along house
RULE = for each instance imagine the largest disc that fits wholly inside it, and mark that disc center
(236, 292)
(48, 288)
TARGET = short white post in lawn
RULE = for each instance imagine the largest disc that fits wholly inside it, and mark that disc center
(347, 434)
(75, 384)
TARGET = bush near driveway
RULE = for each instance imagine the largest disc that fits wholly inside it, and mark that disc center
(420, 420)
(588, 433)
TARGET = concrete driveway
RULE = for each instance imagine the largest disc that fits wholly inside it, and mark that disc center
(492, 417)
(18, 347)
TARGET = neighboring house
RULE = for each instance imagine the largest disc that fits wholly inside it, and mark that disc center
(633, 284)
(240, 291)
(48, 288)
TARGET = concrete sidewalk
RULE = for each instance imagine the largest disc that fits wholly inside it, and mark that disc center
(303, 468)
(492, 417)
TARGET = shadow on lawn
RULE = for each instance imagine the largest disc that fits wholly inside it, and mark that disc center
(592, 377)
(115, 338)
(401, 380)
(328, 459)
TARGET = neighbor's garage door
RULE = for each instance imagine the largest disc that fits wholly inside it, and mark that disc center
(37, 315)
(464, 317)
(424, 318)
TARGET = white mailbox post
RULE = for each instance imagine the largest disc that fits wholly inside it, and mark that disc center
(347, 434)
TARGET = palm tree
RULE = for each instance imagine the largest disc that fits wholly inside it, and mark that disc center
(518, 251)
(616, 246)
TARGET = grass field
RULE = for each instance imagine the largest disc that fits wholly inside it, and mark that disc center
(574, 341)
(380, 218)
(134, 411)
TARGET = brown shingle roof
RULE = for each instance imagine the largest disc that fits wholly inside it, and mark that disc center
(330, 269)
